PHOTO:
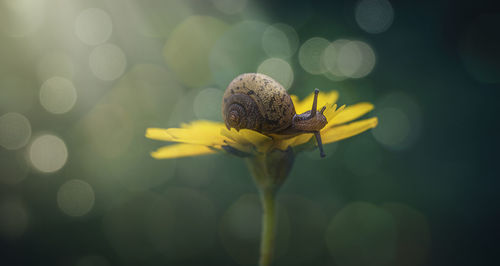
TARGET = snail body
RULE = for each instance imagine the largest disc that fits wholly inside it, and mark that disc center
(258, 102)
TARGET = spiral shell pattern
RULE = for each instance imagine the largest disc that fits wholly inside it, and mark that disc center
(258, 102)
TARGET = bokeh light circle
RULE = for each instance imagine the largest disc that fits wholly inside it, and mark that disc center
(75, 197)
(48, 153)
(15, 131)
(278, 69)
(280, 40)
(93, 26)
(188, 48)
(400, 121)
(330, 59)
(107, 62)
(14, 218)
(237, 218)
(230, 7)
(58, 95)
(396, 129)
(362, 234)
(311, 53)
(355, 59)
(239, 50)
(156, 20)
(207, 103)
(374, 16)
(155, 90)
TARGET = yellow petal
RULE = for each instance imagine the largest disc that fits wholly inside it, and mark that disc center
(258, 140)
(236, 140)
(181, 150)
(323, 99)
(301, 139)
(345, 131)
(158, 134)
(198, 132)
(331, 112)
(350, 113)
(254, 136)
(295, 99)
(246, 140)
(246, 136)
(234, 136)
(283, 144)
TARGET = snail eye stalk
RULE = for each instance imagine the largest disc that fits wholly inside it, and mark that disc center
(315, 104)
(322, 110)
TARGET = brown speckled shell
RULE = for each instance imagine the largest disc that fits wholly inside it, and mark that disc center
(274, 104)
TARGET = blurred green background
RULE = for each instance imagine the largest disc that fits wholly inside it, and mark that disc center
(80, 81)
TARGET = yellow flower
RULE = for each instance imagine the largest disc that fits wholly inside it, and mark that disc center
(269, 158)
(206, 137)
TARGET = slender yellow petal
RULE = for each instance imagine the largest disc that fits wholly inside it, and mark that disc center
(198, 132)
(295, 99)
(237, 141)
(181, 150)
(323, 99)
(234, 136)
(345, 131)
(254, 137)
(245, 140)
(283, 144)
(332, 112)
(158, 134)
(329, 111)
(281, 141)
(301, 139)
(350, 113)
(260, 141)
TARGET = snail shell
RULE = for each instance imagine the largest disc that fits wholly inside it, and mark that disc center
(258, 102)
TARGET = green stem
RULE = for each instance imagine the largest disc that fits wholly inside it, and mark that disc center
(269, 171)
(267, 196)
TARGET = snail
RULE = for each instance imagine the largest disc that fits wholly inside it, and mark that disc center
(258, 102)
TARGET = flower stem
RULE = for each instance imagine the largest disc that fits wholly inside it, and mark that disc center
(269, 171)
(267, 196)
